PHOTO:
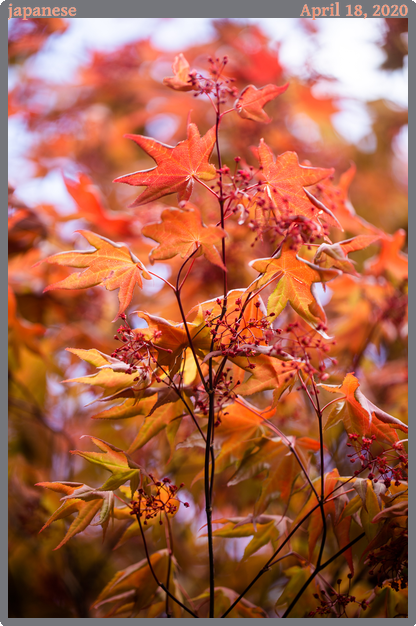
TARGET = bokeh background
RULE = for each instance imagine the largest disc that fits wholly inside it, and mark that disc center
(75, 88)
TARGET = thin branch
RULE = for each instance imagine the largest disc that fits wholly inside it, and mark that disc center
(316, 572)
(161, 585)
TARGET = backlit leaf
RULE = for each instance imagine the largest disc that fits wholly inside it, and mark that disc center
(177, 167)
(361, 416)
(285, 180)
(252, 100)
(296, 278)
(182, 232)
(111, 264)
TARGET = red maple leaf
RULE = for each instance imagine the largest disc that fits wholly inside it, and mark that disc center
(177, 167)
(284, 181)
(252, 100)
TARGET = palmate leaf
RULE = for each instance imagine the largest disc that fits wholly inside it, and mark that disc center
(361, 416)
(138, 580)
(390, 261)
(341, 524)
(83, 499)
(224, 598)
(296, 278)
(177, 167)
(111, 264)
(284, 182)
(297, 577)
(274, 458)
(182, 232)
(172, 338)
(251, 101)
(263, 529)
(121, 466)
(336, 254)
(181, 80)
(269, 373)
(112, 376)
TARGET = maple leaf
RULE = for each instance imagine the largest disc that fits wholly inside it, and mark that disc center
(284, 181)
(181, 80)
(138, 580)
(254, 311)
(176, 167)
(251, 101)
(121, 466)
(335, 197)
(274, 457)
(390, 261)
(296, 277)
(110, 264)
(360, 415)
(182, 232)
(269, 373)
(91, 208)
(84, 499)
(335, 255)
(112, 376)
(334, 509)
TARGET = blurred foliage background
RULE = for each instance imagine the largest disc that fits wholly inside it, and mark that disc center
(72, 130)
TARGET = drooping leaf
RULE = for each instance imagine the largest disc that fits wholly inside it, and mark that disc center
(224, 598)
(336, 254)
(274, 458)
(172, 339)
(359, 415)
(80, 498)
(182, 232)
(181, 80)
(138, 579)
(268, 373)
(111, 264)
(265, 530)
(177, 167)
(284, 181)
(121, 466)
(251, 101)
(296, 278)
(158, 421)
(341, 524)
(112, 376)
(131, 407)
(297, 577)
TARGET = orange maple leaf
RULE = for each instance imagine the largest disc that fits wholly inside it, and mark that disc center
(182, 232)
(176, 167)
(110, 264)
(335, 254)
(180, 81)
(295, 284)
(335, 197)
(284, 181)
(91, 208)
(391, 261)
(359, 415)
(252, 100)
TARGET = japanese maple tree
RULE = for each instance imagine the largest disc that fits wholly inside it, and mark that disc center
(246, 419)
